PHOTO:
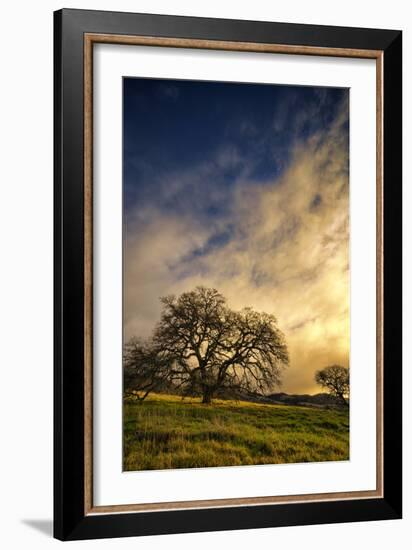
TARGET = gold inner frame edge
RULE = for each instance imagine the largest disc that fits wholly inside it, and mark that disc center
(89, 40)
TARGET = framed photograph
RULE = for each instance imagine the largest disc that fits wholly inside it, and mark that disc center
(227, 274)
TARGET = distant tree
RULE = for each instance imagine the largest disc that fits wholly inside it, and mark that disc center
(202, 347)
(336, 380)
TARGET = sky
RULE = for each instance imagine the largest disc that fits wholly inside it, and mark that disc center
(243, 188)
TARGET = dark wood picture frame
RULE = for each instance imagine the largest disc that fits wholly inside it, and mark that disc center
(75, 32)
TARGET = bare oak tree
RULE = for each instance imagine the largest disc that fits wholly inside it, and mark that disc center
(336, 380)
(202, 347)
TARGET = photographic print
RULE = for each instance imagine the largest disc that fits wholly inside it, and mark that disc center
(236, 274)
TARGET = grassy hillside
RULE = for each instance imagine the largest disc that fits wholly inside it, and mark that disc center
(167, 432)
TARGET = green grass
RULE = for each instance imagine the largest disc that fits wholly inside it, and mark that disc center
(167, 432)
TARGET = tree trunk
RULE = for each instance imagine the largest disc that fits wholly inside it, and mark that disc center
(345, 402)
(207, 396)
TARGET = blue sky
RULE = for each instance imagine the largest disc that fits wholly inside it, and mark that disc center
(243, 187)
(172, 126)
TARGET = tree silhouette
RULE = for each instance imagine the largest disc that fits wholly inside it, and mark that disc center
(202, 347)
(336, 380)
